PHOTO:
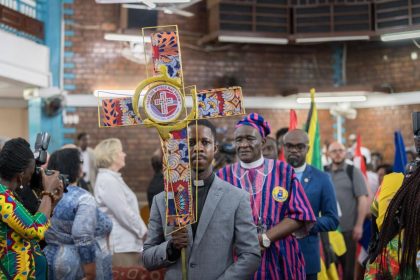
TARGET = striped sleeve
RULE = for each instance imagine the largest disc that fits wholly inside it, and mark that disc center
(225, 174)
(220, 173)
(299, 207)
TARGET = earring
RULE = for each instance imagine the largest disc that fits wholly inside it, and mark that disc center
(21, 187)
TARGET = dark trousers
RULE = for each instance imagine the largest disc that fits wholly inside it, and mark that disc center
(312, 276)
(348, 259)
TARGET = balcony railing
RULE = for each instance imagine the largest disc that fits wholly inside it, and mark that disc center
(31, 8)
(23, 17)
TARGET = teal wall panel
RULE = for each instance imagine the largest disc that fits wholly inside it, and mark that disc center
(38, 121)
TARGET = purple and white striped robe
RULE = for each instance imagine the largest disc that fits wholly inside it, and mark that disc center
(283, 259)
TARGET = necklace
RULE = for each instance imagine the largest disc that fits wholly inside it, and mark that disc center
(248, 185)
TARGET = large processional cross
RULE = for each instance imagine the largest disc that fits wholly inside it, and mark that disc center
(160, 102)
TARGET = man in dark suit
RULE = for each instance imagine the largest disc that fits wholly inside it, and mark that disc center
(157, 183)
(320, 192)
(224, 227)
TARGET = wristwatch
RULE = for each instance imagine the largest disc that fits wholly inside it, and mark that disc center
(266, 242)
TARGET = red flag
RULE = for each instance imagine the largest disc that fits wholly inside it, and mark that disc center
(293, 120)
(281, 154)
(358, 157)
(292, 125)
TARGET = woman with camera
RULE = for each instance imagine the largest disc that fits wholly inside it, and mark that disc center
(77, 238)
(18, 228)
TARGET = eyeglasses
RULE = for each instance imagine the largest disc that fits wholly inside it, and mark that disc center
(299, 147)
(338, 151)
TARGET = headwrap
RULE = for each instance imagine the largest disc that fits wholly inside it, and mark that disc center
(256, 121)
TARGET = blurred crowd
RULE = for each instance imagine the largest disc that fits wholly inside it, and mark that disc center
(77, 222)
(80, 219)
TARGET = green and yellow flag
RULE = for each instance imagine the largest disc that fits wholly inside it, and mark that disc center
(314, 156)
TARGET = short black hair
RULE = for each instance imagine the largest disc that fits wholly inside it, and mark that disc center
(15, 157)
(67, 161)
(387, 167)
(205, 123)
(81, 135)
(157, 164)
(281, 132)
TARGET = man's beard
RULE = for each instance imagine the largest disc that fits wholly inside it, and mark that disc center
(197, 169)
(338, 162)
(295, 163)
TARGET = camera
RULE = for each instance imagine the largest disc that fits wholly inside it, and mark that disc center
(40, 153)
(412, 166)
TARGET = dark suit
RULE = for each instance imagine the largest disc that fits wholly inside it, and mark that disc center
(320, 191)
(156, 186)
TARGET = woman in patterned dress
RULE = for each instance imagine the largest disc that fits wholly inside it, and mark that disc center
(17, 226)
(398, 245)
(76, 241)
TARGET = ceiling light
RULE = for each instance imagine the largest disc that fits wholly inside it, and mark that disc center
(332, 99)
(400, 36)
(126, 38)
(169, 1)
(182, 13)
(113, 93)
(149, 3)
(135, 6)
(170, 10)
(116, 1)
(253, 40)
(138, 1)
(105, 94)
(332, 39)
(167, 11)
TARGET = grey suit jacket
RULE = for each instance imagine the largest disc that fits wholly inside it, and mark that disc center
(225, 227)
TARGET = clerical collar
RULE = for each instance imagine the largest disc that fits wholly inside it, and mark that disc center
(204, 183)
(254, 164)
(300, 169)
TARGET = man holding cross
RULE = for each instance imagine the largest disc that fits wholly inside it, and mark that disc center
(279, 205)
(224, 226)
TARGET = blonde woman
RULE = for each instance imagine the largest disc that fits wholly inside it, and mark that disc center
(116, 199)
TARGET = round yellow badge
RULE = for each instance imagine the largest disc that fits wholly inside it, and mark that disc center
(280, 194)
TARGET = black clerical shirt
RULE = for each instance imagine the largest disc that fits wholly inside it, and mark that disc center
(202, 192)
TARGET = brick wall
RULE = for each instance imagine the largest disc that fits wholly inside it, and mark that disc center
(98, 64)
(377, 125)
(260, 70)
(386, 64)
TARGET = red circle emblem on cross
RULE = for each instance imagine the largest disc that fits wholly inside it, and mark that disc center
(163, 103)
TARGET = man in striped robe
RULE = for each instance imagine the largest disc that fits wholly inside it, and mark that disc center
(279, 205)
